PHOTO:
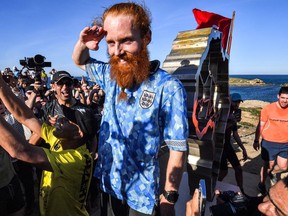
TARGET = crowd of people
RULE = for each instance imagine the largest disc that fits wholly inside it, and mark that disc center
(102, 140)
(63, 96)
(142, 115)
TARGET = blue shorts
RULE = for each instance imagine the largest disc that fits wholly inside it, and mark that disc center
(270, 150)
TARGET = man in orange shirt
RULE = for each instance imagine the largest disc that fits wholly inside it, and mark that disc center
(274, 130)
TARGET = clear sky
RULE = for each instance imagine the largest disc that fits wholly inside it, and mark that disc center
(51, 28)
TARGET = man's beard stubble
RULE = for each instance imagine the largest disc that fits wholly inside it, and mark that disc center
(133, 73)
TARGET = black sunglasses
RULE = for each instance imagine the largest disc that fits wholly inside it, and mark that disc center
(66, 82)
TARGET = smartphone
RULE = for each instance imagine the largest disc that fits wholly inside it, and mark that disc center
(202, 197)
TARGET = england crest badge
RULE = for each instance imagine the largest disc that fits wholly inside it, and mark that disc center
(147, 99)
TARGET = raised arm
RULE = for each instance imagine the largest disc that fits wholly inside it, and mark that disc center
(19, 148)
(18, 109)
(89, 38)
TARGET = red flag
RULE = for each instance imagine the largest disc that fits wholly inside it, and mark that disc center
(207, 19)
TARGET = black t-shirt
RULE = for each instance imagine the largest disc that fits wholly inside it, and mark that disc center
(78, 113)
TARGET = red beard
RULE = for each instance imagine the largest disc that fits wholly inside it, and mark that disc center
(131, 74)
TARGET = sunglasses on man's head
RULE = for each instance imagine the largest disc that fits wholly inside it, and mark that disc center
(66, 82)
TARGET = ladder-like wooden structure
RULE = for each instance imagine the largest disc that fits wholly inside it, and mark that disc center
(199, 61)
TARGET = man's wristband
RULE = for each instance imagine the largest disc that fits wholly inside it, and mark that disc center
(256, 141)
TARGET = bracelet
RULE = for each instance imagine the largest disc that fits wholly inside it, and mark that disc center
(256, 141)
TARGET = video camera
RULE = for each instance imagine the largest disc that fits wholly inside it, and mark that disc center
(236, 204)
(35, 63)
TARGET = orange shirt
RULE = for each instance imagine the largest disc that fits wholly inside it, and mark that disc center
(274, 122)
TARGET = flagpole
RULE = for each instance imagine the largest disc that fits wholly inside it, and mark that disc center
(229, 42)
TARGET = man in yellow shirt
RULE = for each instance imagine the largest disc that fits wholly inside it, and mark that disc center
(67, 164)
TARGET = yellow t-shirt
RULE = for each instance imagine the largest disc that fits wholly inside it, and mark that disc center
(64, 191)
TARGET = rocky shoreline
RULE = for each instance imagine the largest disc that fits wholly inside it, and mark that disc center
(249, 82)
(246, 82)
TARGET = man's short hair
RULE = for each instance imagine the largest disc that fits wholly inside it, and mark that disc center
(283, 90)
(141, 15)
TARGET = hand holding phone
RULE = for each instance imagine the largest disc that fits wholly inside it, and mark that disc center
(202, 197)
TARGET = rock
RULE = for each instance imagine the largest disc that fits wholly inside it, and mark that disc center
(257, 81)
(245, 82)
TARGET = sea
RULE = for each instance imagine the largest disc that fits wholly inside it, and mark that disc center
(266, 93)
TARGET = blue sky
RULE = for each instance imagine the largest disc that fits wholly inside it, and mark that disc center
(51, 28)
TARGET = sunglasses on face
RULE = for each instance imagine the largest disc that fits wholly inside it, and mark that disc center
(66, 82)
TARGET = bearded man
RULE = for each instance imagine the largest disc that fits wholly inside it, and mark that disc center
(144, 107)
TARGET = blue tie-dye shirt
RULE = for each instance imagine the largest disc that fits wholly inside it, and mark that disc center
(132, 132)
